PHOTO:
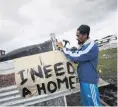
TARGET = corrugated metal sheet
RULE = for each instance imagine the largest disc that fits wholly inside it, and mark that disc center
(10, 96)
(28, 50)
(6, 67)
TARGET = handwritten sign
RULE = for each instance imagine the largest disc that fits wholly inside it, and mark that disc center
(44, 73)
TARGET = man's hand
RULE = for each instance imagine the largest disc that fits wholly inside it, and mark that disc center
(73, 49)
(60, 45)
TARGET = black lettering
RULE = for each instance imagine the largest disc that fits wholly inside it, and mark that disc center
(58, 69)
(38, 74)
(23, 82)
(49, 86)
(47, 71)
(62, 81)
(69, 66)
(71, 83)
(25, 92)
(41, 88)
(21, 74)
(22, 77)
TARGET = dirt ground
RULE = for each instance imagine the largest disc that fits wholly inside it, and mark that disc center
(109, 93)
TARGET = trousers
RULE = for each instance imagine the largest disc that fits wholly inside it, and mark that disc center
(89, 94)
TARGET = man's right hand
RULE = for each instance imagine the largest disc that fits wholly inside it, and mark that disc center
(60, 45)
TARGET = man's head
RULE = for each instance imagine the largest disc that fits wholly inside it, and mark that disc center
(83, 33)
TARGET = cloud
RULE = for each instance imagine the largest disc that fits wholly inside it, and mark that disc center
(27, 22)
(98, 30)
(85, 11)
(9, 9)
(43, 17)
(106, 27)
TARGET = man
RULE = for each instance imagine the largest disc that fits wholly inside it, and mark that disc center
(87, 57)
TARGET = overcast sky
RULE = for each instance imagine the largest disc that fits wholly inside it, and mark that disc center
(28, 22)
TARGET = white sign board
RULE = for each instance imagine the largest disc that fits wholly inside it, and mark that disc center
(44, 73)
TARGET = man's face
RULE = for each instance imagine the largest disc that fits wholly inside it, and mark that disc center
(80, 37)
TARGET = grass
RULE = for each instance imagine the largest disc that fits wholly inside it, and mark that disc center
(108, 60)
(108, 65)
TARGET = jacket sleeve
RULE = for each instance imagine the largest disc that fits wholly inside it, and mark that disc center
(82, 55)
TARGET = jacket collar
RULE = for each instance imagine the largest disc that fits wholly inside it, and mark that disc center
(88, 41)
(81, 46)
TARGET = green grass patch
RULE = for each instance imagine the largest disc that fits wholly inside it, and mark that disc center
(108, 60)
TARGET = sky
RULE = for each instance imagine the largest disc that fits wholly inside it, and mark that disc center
(29, 22)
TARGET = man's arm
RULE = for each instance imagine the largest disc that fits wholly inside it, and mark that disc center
(79, 56)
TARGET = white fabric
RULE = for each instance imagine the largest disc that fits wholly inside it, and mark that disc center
(77, 54)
